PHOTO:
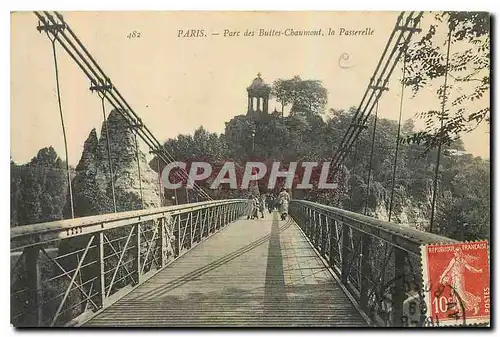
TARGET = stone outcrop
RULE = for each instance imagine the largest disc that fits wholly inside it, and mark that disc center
(135, 183)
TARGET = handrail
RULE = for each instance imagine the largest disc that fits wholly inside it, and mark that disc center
(409, 238)
(377, 263)
(29, 235)
(64, 272)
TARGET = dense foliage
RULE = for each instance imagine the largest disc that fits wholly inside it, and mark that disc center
(306, 96)
(38, 189)
(464, 181)
(468, 74)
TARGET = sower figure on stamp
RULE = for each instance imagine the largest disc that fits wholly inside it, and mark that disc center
(284, 200)
(454, 276)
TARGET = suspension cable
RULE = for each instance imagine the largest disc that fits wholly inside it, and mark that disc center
(100, 81)
(53, 42)
(372, 79)
(371, 158)
(409, 26)
(355, 161)
(394, 165)
(138, 169)
(443, 105)
(108, 145)
(159, 181)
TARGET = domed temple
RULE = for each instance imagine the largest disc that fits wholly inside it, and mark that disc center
(258, 97)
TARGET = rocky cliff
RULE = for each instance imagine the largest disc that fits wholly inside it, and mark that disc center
(135, 183)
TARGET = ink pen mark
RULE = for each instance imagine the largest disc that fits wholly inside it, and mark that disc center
(343, 58)
(440, 290)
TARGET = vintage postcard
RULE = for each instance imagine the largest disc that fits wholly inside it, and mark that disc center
(250, 169)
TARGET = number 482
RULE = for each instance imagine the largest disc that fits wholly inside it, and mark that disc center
(134, 34)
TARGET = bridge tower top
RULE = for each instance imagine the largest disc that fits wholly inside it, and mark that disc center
(258, 96)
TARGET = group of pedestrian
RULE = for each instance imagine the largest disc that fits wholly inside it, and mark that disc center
(257, 204)
(254, 205)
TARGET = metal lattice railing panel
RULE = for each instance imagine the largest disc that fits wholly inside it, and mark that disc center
(377, 262)
(63, 272)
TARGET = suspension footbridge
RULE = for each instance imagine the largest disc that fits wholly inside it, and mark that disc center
(203, 263)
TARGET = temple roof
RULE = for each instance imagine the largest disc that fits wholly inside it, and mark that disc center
(258, 83)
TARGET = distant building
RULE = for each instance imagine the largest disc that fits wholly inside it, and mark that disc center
(258, 97)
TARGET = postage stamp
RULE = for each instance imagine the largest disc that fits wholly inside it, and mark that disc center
(456, 278)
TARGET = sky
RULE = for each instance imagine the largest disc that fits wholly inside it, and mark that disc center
(177, 84)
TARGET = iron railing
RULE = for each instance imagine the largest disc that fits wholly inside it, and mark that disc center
(64, 272)
(377, 263)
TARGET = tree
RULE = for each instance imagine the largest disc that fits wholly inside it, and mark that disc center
(38, 189)
(464, 207)
(468, 75)
(310, 97)
(15, 192)
(306, 96)
(283, 90)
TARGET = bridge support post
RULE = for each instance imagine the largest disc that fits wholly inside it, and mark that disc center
(365, 270)
(162, 223)
(217, 218)
(193, 228)
(178, 241)
(215, 215)
(322, 227)
(321, 234)
(309, 223)
(324, 236)
(209, 220)
(316, 227)
(137, 263)
(345, 253)
(203, 223)
(33, 277)
(398, 291)
(221, 216)
(189, 228)
(333, 243)
(304, 215)
(102, 282)
(225, 215)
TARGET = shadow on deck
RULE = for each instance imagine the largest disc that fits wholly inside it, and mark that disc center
(253, 273)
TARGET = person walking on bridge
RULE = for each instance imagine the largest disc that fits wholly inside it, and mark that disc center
(270, 203)
(284, 200)
(251, 207)
(262, 204)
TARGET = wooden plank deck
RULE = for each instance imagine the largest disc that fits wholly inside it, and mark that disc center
(253, 273)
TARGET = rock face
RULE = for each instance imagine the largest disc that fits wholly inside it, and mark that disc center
(92, 192)
(135, 183)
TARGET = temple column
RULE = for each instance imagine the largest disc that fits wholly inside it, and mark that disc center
(265, 107)
(249, 103)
